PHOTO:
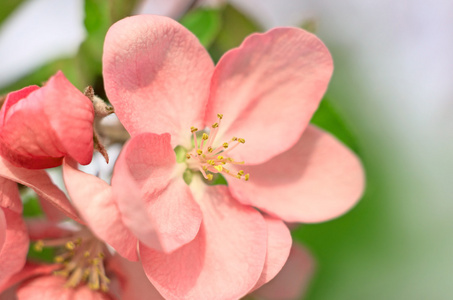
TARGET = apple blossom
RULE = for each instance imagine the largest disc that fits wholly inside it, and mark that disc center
(253, 108)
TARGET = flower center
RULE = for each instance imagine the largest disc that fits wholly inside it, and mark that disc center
(82, 259)
(210, 160)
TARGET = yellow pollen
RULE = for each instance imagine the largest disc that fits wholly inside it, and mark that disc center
(101, 255)
(218, 168)
(225, 145)
(70, 245)
(234, 139)
(199, 151)
(215, 125)
(220, 157)
(220, 116)
(39, 245)
(238, 176)
(241, 172)
(210, 149)
(205, 136)
(211, 162)
(209, 177)
(205, 168)
(193, 129)
(246, 177)
(242, 141)
(187, 155)
(86, 254)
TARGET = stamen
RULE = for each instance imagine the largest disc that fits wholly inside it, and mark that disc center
(208, 159)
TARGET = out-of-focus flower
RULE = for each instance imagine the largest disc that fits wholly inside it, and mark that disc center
(83, 269)
(199, 241)
(292, 281)
(40, 126)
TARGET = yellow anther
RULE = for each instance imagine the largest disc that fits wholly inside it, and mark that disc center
(70, 245)
(246, 177)
(210, 149)
(225, 145)
(39, 245)
(104, 288)
(62, 273)
(238, 176)
(220, 157)
(220, 116)
(199, 151)
(211, 162)
(86, 254)
(234, 139)
(205, 168)
(242, 141)
(218, 168)
(187, 155)
(58, 259)
(241, 172)
(215, 125)
(94, 286)
(205, 136)
(209, 177)
(193, 129)
(95, 261)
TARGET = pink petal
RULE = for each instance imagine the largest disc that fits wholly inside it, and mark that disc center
(40, 182)
(292, 282)
(9, 195)
(155, 202)
(94, 200)
(267, 90)
(278, 246)
(13, 98)
(3, 227)
(133, 281)
(15, 246)
(224, 261)
(28, 271)
(52, 288)
(39, 229)
(156, 74)
(316, 180)
(50, 123)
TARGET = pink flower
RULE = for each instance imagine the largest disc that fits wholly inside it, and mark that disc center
(198, 241)
(40, 126)
(292, 281)
(85, 259)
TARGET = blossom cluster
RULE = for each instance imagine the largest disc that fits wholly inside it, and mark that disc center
(163, 228)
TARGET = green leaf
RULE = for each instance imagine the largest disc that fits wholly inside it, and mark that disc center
(8, 6)
(328, 119)
(204, 23)
(32, 208)
(45, 255)
(235, 28)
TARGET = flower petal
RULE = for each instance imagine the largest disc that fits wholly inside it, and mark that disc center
(15, 247)
(132, 279)
(224, 261)
(9, 195)
(292, 281)
(157, 206)
(316, 180)
(268, 89)
(94, 199)
(278, 246)
(40, 182)
(29, 270)
(52, 287)
(48, 124)
(156, 74)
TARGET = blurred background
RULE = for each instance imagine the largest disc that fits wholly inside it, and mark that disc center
(390, 100)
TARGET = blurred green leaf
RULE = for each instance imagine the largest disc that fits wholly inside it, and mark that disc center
(46, 255)
(32, 208)
(204, 23)
(7, 7)
(235, 28)
(328, 119)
